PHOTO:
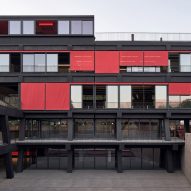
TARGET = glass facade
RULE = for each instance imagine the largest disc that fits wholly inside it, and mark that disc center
(112, 96)
(160, 97)
(76, 96)
(28, 27)
(4, 62)
(52, 62)
(125, 96)
(185, 63)
(87, 27)
(15, 27)
(63, 27)
(76, 27)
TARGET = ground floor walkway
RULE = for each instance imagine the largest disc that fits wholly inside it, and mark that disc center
(96, 180)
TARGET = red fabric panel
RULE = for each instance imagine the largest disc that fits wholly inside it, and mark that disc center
(155, 58)
(82, 61)
(33, 96)
(131, 58)
(179, 88)
(106, 62)
(57, 96)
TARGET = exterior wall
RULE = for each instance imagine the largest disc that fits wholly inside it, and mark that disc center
(186, 154)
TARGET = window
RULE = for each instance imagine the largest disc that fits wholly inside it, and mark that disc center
(15, 62)
(87, 27)
(174, 63)
(160, 96)
(4, 62)
(88, 96)
(100, 97)
(76, 96)
(149, 69)
(64, 62)
(40, 63)
(63, 27)
(52, 62)
(125, 96)
(185, 63)
(28, 27)
(174, 101)
(105, 128)
(47, 27)
(15, 27)
(76, 27)
(28, 63)
(84, 128)
(3, 27)
(137, 69)
(112, 97)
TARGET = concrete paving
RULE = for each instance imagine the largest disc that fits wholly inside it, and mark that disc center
(96, 180)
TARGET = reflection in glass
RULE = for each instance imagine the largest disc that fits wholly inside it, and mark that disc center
(28, 27)
(111, 96)
(76, 27)
(125, 96)
(185, 63)
(14, 27)
(4, 62)
(76, 96)
(63, 27)
(52, 62)
(40, 63)
(160, 96)
(28, 62)
(87, 27)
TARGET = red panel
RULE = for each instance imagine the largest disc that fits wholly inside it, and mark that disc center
(33, 96)
(4, 27)
(107, 62)
(155, 58)
(46, 27)
(131, 58)
(179, 88)
(82, 60)
(57, 96)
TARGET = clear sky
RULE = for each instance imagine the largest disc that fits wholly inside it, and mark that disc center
(112, 15)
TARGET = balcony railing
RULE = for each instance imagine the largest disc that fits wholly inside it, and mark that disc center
(142, 36)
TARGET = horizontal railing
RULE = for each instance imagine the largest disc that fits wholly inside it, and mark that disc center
(142, 36)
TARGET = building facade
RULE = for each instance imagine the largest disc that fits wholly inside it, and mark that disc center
(69, 101)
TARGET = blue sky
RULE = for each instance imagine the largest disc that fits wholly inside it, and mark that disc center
(112, 15)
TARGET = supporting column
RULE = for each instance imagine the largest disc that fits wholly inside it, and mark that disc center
(167, 130)
(187, 125)
(7, 140)
(119, 160)
(20, 160)
(70, 160)
(22, 130)
(119, 130)
(9, 165)
(70, 129)
(169, 160)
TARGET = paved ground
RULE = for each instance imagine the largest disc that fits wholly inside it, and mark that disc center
(95, 180)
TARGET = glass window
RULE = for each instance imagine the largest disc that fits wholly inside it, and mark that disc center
(137, 69)
(105, 128)
(4, 62)
(3, 27)
(14, 27)
(157, 69)
(28, 62)
(52, 62)
(160, 96)
(28, 27)
(76, 27)
(128, 69)
(185, 101)
(185, 63)
(63, 27)
(48, 27)
(87, 27)
(149, 69)
(84, 128)
(112, 97)
(125, 96)
(40, 63)
(174, 101)
(76, 96)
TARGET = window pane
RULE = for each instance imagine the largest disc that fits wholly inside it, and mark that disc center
(4, 62)
(52, 62)
(14, 27)
(40, 63)
(87, 27)
(160, 96)
(28, 27)
(76, 96)
(137, 69)
(149, 69)
(28, 62)
(125, 96)
(63, 27)
(76, 27)
(112, 97)
(174, 101)
(46, 27)
(3, 27)
(185, 65)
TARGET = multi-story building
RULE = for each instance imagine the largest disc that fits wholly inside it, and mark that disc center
(70, 101)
